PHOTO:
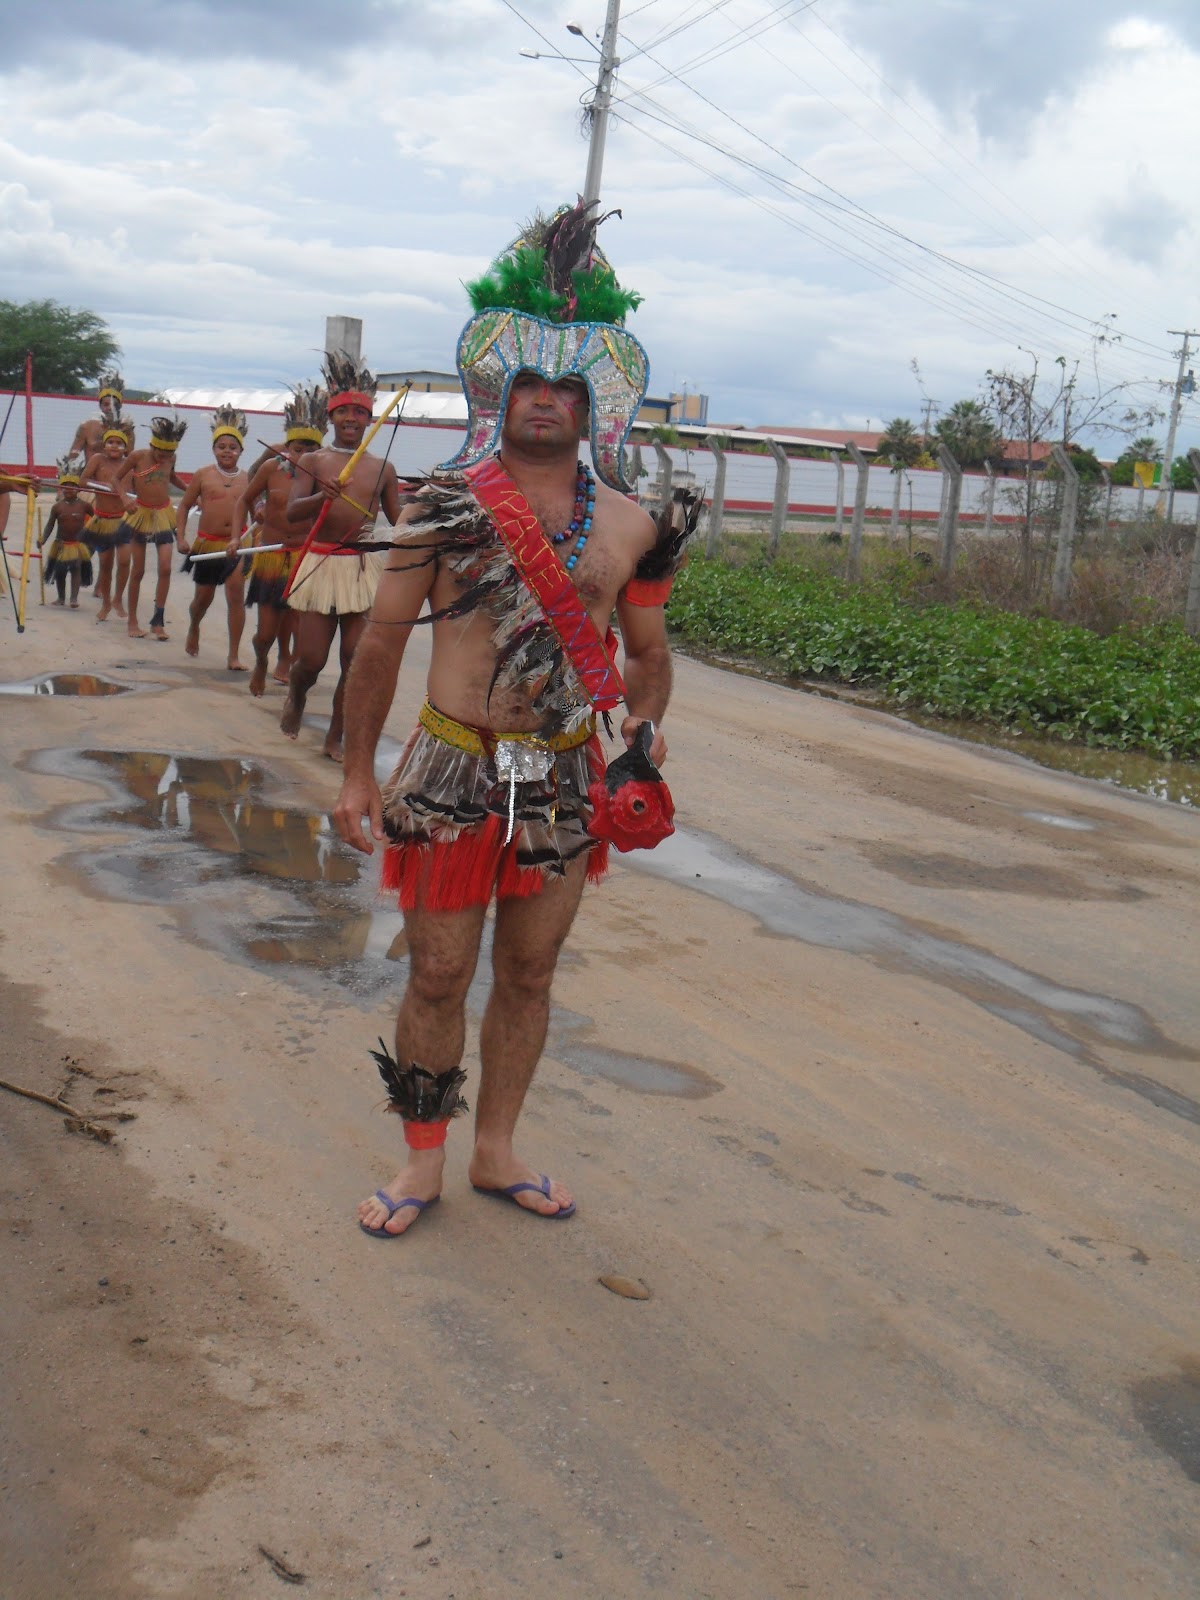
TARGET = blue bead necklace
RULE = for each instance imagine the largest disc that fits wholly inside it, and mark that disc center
(581, 523)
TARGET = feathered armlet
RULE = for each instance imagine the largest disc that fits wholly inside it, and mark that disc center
(425, 1100)
(677, 524)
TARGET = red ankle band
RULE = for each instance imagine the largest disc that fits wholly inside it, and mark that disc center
(425, 1135)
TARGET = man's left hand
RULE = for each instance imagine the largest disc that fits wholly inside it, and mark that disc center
(658, 745)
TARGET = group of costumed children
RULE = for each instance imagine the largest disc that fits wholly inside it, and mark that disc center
(244, 530)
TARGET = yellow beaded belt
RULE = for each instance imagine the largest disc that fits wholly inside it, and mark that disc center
(466, 738)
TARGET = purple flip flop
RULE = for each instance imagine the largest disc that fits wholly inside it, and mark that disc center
(514, 1189)
(392, 1207)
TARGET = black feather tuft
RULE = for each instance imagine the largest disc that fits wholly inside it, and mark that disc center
(677, 524)
(417, 1095)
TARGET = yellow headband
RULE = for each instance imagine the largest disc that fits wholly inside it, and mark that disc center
(314, 434)
(69, 477)
(115, 394)
(232, 433)
(113, 433)
(162, 444)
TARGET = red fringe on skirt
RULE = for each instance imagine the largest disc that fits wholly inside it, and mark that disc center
(462, 872)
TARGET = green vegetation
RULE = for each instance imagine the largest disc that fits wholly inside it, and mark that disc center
(1136, 688)
(70, 348)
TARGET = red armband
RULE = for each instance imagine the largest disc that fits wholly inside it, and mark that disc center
(647, 591)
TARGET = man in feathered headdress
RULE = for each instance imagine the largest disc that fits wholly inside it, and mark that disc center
(102, 471)
(305, 419)
(150, 474)
(89, 436)
(334, 582)
(217, 490)
(68, 557)
(521, 557)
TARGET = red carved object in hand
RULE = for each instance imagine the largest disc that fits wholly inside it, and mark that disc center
(631, 805)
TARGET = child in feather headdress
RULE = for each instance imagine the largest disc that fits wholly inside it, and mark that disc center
(104, 468)
(217, 491)
(334, 583)
(305, 418)
(89, 436)
(69, 556)
(151, 475)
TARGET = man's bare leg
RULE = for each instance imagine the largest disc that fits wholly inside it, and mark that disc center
(528, 936)
(137, 569)
(235, 605)
(352, 627)
(201, 600)
(314, 637)
(430, 1029)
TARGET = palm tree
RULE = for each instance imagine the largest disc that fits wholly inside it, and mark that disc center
(969, 433)
(901, 445)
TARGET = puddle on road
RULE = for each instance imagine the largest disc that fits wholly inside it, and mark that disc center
(1168, 1407)
(644, 1074)
(1066, 1018)
(68, 683)
(259, 880)
(273, 885)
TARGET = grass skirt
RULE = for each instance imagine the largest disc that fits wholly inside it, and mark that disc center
(342, 584)
(149, 520)
(64, 556)
(269, 574)
(210, 574)
(101, 534)
(447, 816)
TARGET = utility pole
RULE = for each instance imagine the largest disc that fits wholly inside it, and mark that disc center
(602, 100)
(1183, 384)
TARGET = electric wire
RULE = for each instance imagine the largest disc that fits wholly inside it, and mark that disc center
(1013, 205)
(998, 284)
(856, 214)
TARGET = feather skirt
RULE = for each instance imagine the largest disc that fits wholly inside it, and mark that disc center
(447, 816)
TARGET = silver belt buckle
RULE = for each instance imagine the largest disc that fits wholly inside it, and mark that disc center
(519, 761)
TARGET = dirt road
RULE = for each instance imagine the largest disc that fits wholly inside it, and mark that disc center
(882, 1078)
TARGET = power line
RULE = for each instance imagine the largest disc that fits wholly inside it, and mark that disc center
(1030, 302)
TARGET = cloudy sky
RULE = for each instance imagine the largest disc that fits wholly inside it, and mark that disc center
(815, 192)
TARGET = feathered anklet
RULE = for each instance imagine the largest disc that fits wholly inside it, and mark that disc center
(425, 1100)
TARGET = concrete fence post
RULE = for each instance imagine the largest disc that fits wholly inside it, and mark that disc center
(1106, 480)
(989, 500)
(839, 516)
(854, 554)
(951, 500)
(1060, 584)
(897, 490)
(783, 479)
(716, 507)
(666, 471)
(1191, 614)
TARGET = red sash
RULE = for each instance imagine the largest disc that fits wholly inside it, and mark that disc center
(546, 579)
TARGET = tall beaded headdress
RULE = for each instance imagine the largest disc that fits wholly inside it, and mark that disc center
(70, 468)
(306, 415)
(551, 304)
(229, 422)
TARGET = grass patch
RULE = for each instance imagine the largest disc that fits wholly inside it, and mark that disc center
(1133, 688)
